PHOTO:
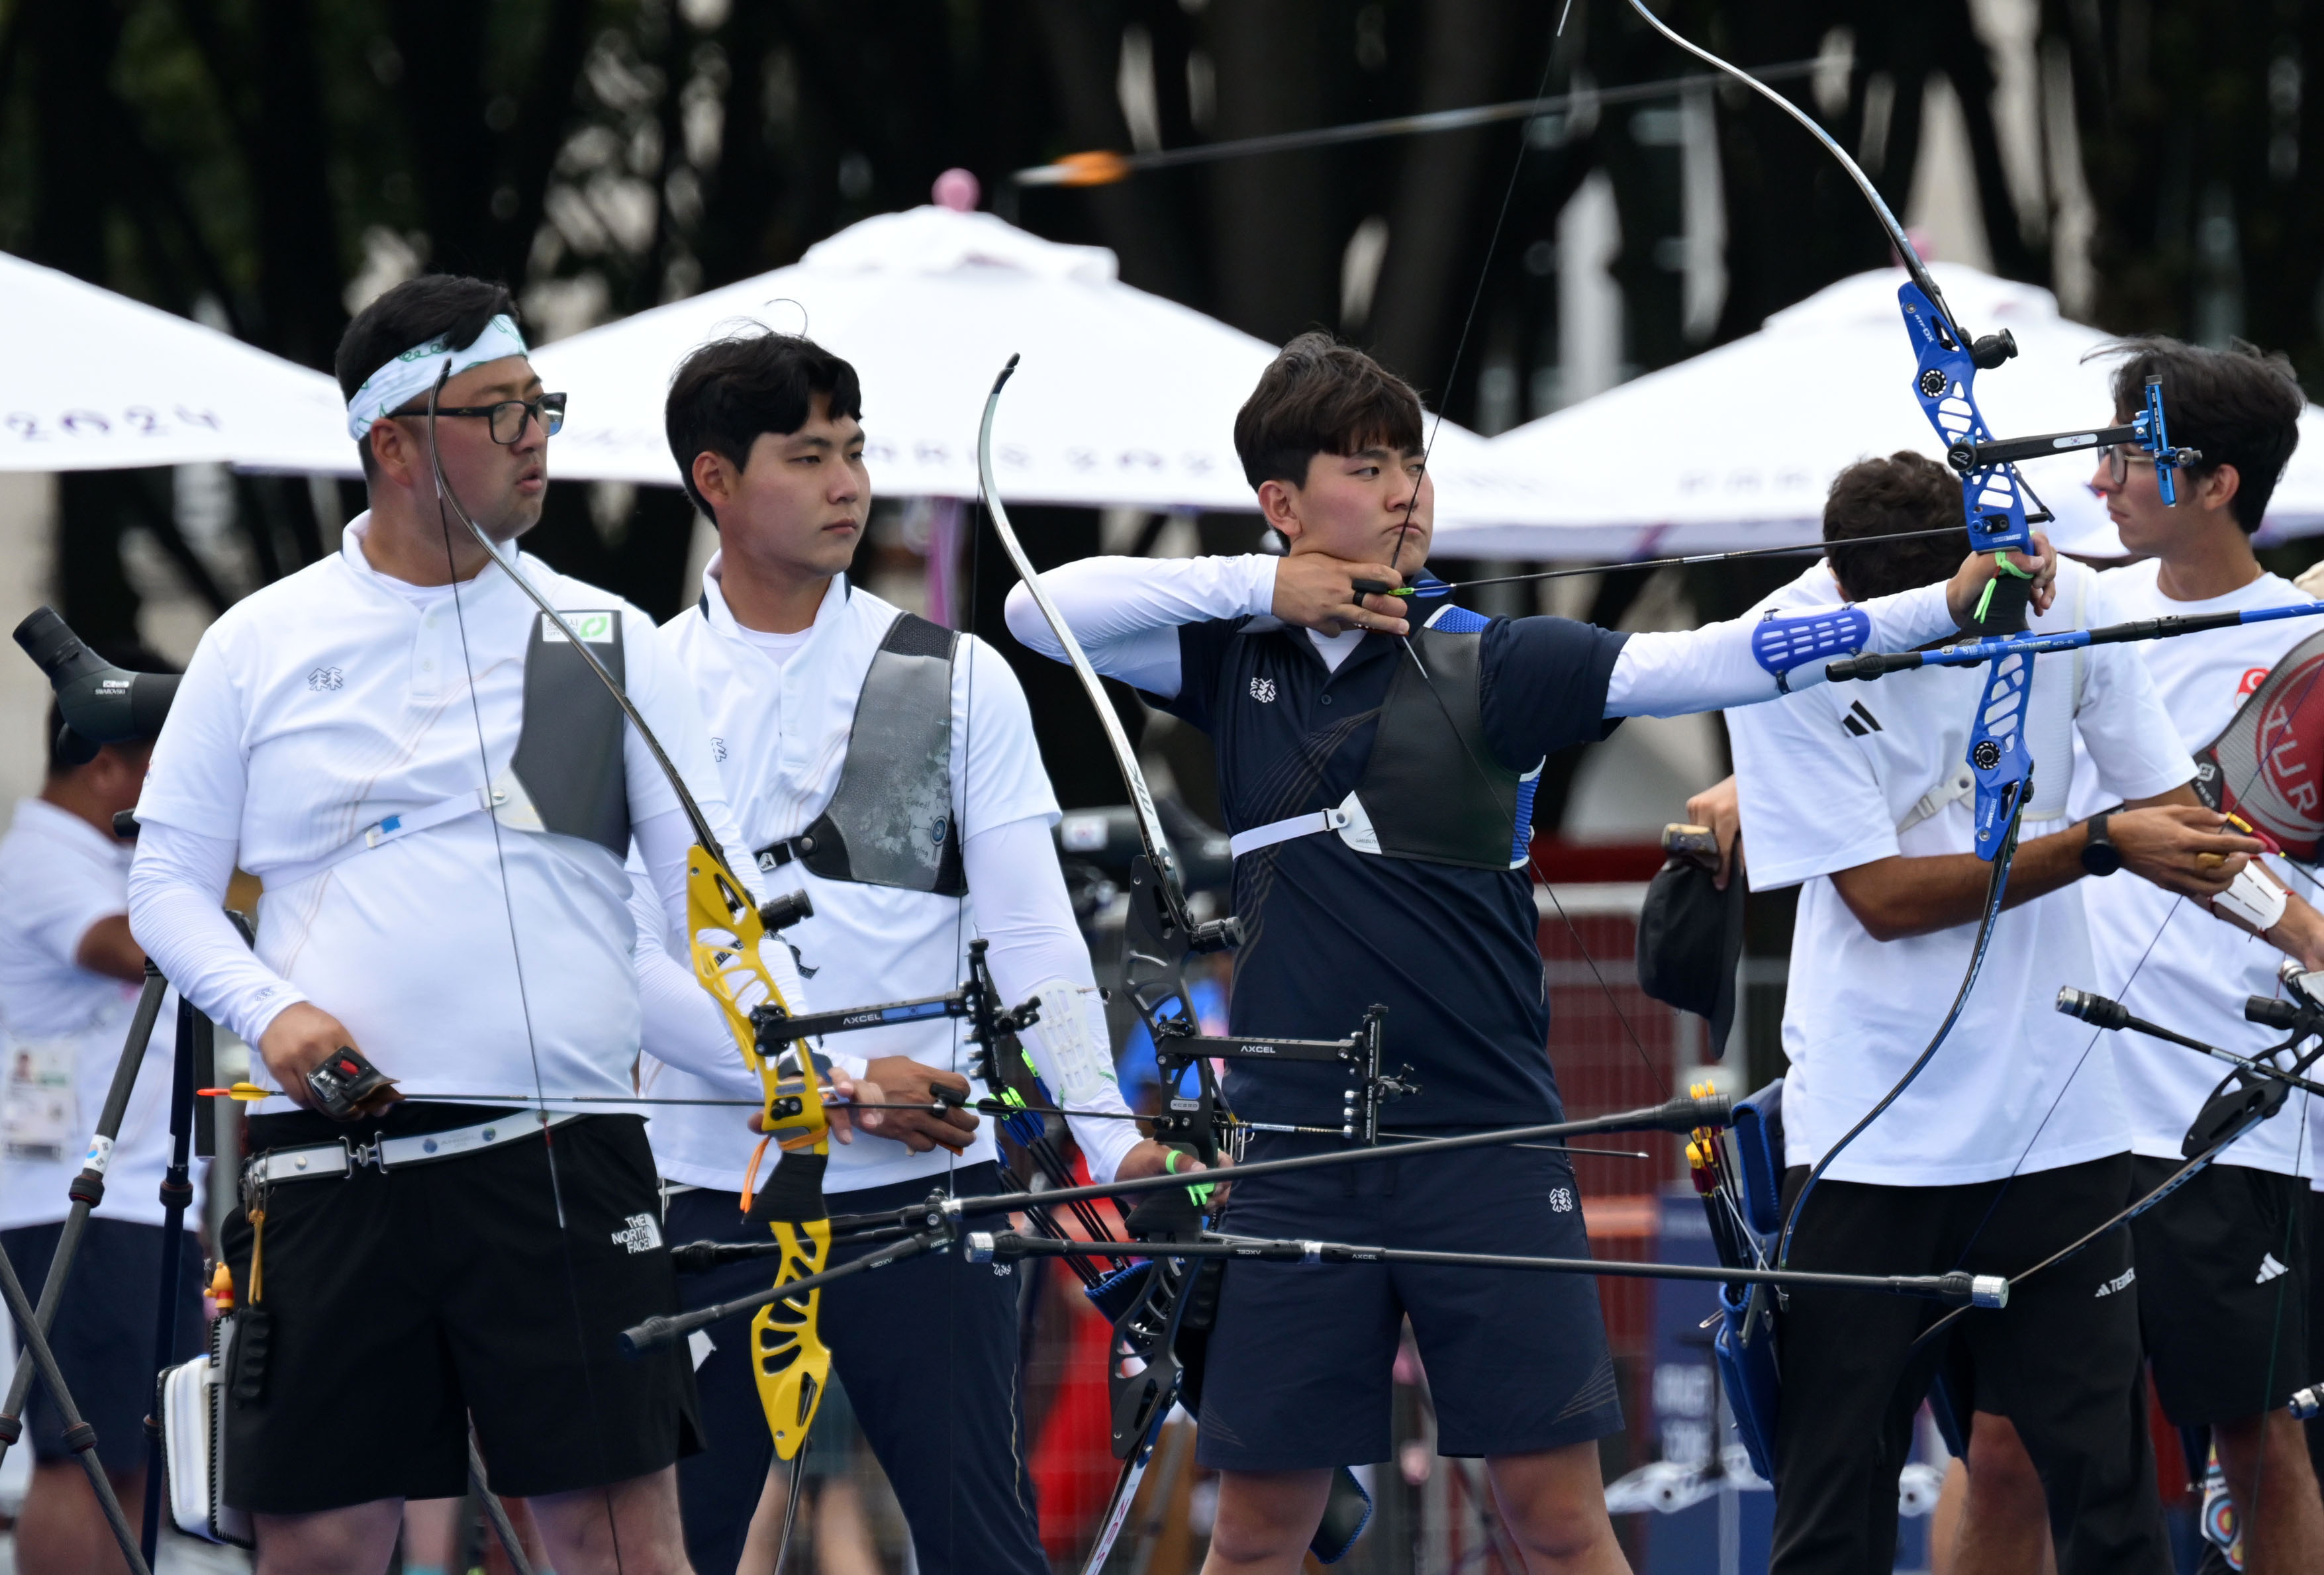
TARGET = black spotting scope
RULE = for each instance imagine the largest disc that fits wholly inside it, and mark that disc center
(101, 704)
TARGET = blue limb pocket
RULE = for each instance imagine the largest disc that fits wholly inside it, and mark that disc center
(1758, 1129)
(1784, 644)
(1745, 1348)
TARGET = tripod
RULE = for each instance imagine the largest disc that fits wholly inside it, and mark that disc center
(193, 1066)
(86, 1191)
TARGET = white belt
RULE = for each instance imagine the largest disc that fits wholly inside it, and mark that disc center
(324, 1161)
(474, 802)
(1335, 818)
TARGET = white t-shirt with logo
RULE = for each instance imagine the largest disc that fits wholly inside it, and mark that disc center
(1826, 776)
(2164, 956)
(63, 1026)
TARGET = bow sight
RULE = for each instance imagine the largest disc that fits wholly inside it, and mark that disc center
(2147, 430)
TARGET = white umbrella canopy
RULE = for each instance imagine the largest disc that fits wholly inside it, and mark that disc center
(94, 381)
(1736, 447)
(1122, 397)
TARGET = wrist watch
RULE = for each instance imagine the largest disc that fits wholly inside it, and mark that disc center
(2100, 855)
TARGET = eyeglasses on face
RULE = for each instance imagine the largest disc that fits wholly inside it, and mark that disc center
(508, 417)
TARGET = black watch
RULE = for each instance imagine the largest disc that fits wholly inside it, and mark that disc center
(2100, 855)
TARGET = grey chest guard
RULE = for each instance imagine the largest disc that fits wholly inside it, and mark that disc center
(567, 775)
(1434, 789)
(890, 822)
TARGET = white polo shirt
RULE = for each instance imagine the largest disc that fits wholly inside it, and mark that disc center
(2161, 955)
(459, 955)
(1825, 779)
(779, 731)
(63, 1026)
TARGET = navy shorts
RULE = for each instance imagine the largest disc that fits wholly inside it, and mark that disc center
(1300, 1370)
(102, 1332)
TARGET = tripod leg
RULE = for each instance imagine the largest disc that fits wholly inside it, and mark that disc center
(86, 1190)
(79, 1436)
(497, 1512)
(194, 1035)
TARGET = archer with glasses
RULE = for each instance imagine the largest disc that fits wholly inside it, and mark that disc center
(440, 796)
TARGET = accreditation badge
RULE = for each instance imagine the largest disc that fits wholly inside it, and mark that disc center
(39, 1118)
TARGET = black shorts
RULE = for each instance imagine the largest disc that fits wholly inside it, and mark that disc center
(2223, 1290)
(401, 1306)
(2061, 1362)
(103, 1331)
(1300, 1372)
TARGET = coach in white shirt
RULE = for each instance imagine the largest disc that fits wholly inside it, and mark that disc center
(887, 767)
(2012, 1141)
(70, 976)
(2223, 1260)
(438, 798)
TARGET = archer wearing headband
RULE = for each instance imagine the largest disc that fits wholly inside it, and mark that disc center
(438, 795)
(1377, 761)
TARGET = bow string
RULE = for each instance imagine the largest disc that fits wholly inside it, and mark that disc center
(725, 935)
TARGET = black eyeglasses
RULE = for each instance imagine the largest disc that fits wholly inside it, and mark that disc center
(2119, 455)
(508, 417)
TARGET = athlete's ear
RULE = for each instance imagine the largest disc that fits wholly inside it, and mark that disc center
(1278, 506)
(394, 452)
(714, 477)
(2217, 489)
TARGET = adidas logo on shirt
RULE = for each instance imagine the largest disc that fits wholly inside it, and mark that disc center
(2120, 1282)
(1860, 721)
(2269, 1268)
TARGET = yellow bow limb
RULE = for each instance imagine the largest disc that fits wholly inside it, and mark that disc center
(788, 1359)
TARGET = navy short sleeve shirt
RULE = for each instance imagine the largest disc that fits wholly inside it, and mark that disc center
(1329, 931)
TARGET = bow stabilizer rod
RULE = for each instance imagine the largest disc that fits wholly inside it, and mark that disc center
(934, 1221)
(1957, 1289)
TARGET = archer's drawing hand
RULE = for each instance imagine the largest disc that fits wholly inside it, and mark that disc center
(2181, 847)
(1317, 590)
(1967, 587)
(300, 1039)
(1720, 808)
(907, 1081)
(845, 1091)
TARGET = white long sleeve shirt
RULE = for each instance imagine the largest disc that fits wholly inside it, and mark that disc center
(780, 711)
(1126, 613)
(470, 958)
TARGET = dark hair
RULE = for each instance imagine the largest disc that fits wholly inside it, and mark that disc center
(447, 306)
(2239, 406)
(726, 392)
(1319, 396)
(1886, 497)
(127, 655)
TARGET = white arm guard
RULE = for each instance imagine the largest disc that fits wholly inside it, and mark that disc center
(1069, 1048)
(2256, 898)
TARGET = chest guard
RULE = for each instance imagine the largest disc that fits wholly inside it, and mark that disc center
(567, 775)
(889, 821)
(1434, 788)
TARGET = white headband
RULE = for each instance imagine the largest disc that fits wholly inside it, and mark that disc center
(412, 372)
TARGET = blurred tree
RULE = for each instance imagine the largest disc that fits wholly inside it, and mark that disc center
(271, 164)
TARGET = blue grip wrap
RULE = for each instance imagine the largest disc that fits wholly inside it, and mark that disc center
(1784, 644)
